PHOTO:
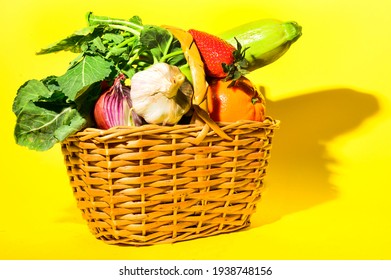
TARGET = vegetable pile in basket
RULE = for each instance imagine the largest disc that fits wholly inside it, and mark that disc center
(130, 74)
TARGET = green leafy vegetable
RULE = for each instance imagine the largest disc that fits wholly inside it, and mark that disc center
(74, 42)
(89, 70)
(51, 109)
(32, 91)
(44, 116)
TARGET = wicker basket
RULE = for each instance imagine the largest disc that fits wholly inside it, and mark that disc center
(162, 184)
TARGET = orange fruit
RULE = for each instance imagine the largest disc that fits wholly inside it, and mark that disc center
(241, 101)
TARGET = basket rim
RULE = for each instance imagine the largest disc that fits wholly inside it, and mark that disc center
(201, 130)
(268, 122)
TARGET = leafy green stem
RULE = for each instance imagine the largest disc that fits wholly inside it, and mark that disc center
(111, 21)
(169, 55)
(120, 45)
(125, 28)
(168, 45)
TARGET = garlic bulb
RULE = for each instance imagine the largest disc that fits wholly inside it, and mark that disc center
(161, 94)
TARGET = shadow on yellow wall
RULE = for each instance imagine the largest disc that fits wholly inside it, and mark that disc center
(299, 177)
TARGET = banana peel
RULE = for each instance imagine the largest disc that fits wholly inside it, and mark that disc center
(194, 60)
(200, 85)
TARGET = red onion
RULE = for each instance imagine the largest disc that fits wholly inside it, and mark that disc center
(114, 107)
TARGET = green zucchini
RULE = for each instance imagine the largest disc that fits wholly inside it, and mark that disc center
(266, 40)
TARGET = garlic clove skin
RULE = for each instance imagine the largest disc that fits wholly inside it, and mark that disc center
(161, 94)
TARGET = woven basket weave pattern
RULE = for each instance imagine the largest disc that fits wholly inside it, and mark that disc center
(159, 184)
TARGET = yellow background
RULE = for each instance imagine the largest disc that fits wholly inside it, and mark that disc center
(328, 186)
